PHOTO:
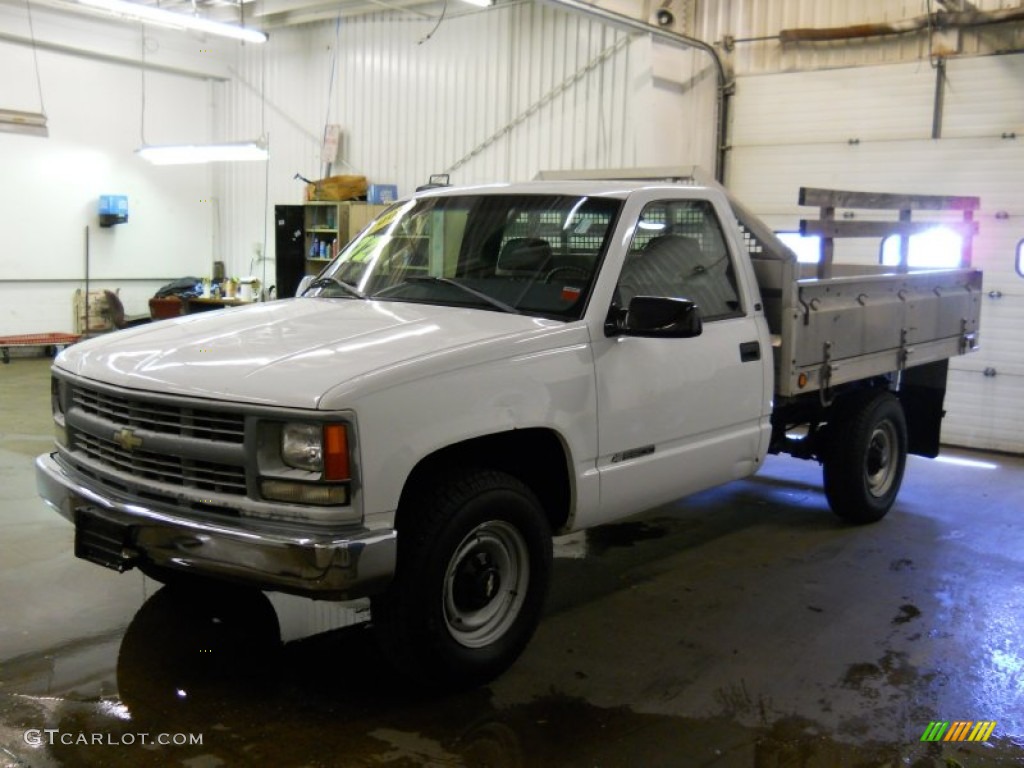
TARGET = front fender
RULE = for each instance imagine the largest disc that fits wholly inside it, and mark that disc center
(546, 381)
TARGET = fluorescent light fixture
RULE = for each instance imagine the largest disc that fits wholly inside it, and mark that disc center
(26, 123)
(480, 3)
(153, 15)
(190, 154)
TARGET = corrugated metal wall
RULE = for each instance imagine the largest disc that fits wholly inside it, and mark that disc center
(490, 96)
(550, 86)
(746, 19)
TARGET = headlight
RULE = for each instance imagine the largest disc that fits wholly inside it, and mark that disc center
(57, 405)
(302, 446)
(306, 463)
(319, 448)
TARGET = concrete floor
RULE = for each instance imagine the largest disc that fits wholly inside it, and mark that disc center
(741, 627)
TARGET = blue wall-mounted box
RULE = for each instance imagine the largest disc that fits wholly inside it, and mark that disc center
(381, 193)
(113, 210)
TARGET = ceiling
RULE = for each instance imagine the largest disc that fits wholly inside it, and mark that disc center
(270, 14)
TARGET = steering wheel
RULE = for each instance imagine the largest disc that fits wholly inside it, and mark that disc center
(578, 271)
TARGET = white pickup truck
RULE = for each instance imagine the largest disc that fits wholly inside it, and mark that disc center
(483, 368)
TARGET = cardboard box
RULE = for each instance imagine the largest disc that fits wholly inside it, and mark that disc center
(336, 188)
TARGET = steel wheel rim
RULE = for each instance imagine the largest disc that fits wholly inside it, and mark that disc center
(485, 584)
(880, 462)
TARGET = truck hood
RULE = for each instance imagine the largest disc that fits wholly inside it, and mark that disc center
(291, 353)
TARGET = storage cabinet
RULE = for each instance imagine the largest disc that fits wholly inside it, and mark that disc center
(290, 257)
(328, 226)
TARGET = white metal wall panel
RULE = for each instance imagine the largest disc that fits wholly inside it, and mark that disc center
(834, 105)
(977, 414)
(411, 109)
(984, 97)
(489, 97)
(767, 175)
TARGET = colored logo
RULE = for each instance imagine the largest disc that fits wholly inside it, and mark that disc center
(127, 440)
(960, 730)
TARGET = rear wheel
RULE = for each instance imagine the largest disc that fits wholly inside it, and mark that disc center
(474, 563)
(866, 458)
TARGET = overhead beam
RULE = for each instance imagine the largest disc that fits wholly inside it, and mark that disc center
(279, 14)
(109, 58)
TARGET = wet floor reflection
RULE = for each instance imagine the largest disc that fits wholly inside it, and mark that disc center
(743, 627)
(211, 662)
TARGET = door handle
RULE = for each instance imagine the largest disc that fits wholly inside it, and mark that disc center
(750, 351)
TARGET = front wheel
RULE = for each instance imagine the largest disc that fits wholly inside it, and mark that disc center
(865, 461)
(474, 562)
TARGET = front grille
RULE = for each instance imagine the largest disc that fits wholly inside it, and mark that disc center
(179, 448)
(175, 470)
(201, 423)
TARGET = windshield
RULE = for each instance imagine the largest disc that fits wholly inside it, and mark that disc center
(530, 254)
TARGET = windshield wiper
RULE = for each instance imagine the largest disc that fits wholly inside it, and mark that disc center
(497, 303)
(322, 282)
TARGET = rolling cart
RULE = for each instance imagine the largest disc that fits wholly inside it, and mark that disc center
(51, 342)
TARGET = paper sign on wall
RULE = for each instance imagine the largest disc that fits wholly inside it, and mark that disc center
(332, 142)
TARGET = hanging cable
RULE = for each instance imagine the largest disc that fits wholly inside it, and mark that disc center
(931, 53)
(330, 91)
(266, 221)
(266, 171)
(142, 78)
(263, 91)
(430, 34)
(35, 56)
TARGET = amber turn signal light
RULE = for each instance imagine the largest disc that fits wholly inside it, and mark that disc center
(336, 463)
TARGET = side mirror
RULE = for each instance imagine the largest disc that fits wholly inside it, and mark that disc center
(304, 284)
(658, 317)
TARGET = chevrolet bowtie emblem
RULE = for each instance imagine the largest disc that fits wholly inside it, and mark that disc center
(127, 440)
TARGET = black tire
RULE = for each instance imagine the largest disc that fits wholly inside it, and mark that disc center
(474, 562)
(866, 456)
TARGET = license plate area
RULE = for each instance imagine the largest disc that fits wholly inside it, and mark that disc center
(103, 541)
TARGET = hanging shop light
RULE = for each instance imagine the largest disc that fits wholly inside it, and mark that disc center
(25, 123)
(153, 15)
(190, 154)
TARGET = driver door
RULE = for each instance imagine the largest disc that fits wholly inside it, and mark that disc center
(677, 415)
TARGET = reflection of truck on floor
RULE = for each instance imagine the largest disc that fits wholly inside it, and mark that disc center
(485, 366)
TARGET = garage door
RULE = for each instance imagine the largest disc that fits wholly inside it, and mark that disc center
(871, 129)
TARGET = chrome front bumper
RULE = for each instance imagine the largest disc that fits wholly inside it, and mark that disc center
(243, 550)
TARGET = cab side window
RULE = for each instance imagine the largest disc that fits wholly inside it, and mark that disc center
(678, 250)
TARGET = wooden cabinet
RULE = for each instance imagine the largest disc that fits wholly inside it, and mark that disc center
(328, 226)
